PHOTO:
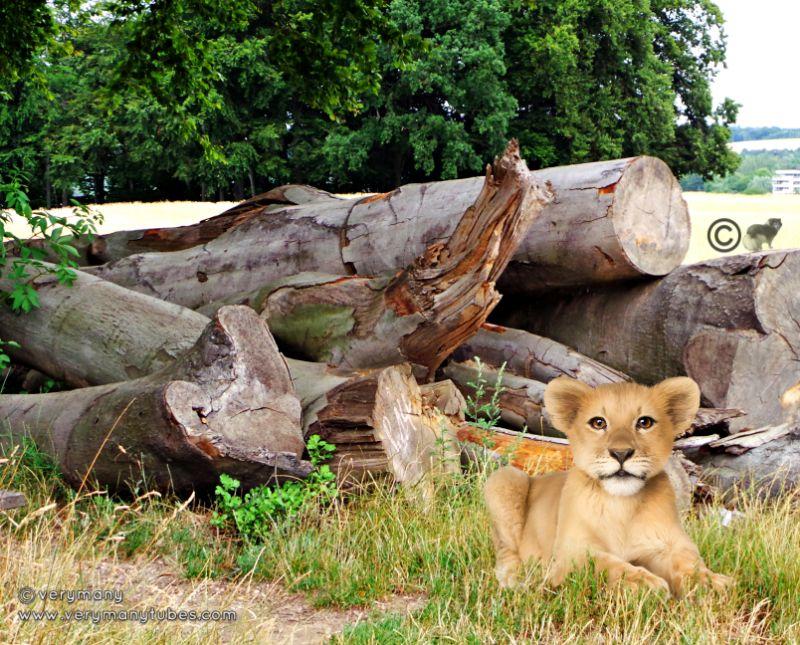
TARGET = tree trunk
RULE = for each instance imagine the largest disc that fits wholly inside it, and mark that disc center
(730, 324)
(96, 332)
(597, 210)
(226, 406)
(534, 357)
(121, 244)
(610, 221)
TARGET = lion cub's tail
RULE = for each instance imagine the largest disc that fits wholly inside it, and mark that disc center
(506, 495)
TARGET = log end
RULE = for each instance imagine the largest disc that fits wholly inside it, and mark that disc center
(650, 217)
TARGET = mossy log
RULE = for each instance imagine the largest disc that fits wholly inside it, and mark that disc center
(730, 324)
(225, 406)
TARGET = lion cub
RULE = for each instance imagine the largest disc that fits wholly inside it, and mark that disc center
(616, 504)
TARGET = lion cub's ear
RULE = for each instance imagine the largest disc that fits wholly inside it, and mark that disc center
(562, 399)
(680, 398)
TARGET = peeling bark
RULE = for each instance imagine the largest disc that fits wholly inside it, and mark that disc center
(425, 311)
(731, 324)
(225, 406)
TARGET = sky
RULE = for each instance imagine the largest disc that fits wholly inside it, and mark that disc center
(763, 72)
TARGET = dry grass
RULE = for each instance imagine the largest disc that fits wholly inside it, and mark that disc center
(745, 210)
(381, 568)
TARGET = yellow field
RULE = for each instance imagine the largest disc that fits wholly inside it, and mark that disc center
(134, 215)
(704, 208)
(745, 210)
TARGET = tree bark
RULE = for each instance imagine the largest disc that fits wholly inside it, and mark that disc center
(730, 324)
(225, 406)
(534, 357)
(96, 332)
(771, 468)
(121, 244)
(596, 215)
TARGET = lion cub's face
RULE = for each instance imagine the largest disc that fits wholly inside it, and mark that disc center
(622, 434)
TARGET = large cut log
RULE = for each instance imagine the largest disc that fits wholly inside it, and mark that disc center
(730, 324)
(313, 237)
(96, 332)
(534, 357)
(420, 314)
(225, 406)
(609, 221)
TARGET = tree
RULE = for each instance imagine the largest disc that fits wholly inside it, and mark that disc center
(575, 81)
(25, 25)
(443, 114)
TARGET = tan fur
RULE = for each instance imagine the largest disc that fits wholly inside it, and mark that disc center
(628, 525)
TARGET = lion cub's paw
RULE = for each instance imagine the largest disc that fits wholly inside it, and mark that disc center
(641, 578)
(507, 575)
(703, 578)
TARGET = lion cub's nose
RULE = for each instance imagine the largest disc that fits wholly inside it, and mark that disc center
(621, 455)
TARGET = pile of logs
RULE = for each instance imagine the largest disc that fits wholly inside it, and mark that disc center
(222, 346)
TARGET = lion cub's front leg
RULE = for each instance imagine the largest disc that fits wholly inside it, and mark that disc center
(506, 495)
(617, 569)
(682, 566)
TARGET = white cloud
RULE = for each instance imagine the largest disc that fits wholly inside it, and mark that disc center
(763, 72)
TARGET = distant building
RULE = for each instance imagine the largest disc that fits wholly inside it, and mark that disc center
(786, 182)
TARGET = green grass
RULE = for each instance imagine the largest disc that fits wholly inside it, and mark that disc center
(383, 542)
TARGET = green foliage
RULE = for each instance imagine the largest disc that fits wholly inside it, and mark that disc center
(25, 26)
(483, 405)
(256, 514)
(189, 98)
(739, 133)
(22, 260)
(753, 175)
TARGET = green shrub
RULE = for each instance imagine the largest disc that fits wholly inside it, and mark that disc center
(255, 514)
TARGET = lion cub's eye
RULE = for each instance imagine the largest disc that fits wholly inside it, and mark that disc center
(597, 423)
(645, 423)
